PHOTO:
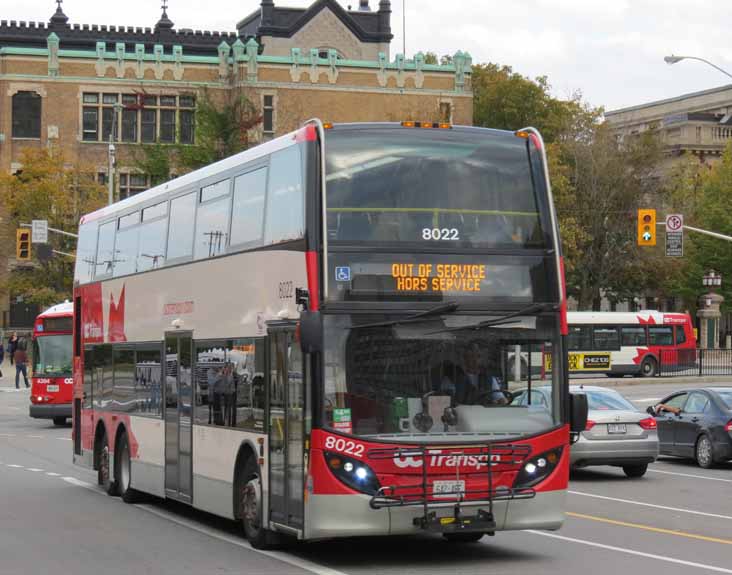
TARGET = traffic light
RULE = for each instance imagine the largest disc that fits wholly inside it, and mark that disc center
(646, 227)
(23, 245)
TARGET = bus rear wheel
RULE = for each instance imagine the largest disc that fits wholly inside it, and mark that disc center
(649, 367)
(59, 421)
(124, 471)
(471, 537)
(250, 508)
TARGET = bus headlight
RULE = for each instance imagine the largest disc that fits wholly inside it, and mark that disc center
(537, 468)
(354, 473)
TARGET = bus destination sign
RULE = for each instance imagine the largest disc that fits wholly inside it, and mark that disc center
(441, 277)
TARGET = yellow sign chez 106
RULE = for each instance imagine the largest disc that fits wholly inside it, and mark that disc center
(582, 361)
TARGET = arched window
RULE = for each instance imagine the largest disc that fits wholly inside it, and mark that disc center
(26, 115)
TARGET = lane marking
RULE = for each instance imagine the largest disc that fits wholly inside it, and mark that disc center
(650, 528)
(631, 552)
(35, 436)
(691, 475)
(64, 438)
(52, 474)
(7, 435)
(84, 484)
(15, 466)
(644, 504)
(279, 555)
(34, 469)
(645, 399)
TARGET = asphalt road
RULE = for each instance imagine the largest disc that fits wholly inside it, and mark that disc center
(53, 519)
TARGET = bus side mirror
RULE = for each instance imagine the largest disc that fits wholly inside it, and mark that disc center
(578, 411)
(311, 331)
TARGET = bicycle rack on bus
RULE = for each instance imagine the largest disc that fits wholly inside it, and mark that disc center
(497, 458)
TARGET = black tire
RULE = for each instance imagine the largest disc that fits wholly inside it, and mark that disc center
(471, 537)
(249, 499)
(704, 452)
(634, 471)
(614, 375)
(59, 421)
(649, 367)
(123, 472)
(104, 473)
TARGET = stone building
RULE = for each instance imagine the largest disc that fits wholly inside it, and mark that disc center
(699, 123)
(67, 85)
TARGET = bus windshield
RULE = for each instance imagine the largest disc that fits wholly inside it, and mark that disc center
(455, 188)
(444, 376)
(52, 355)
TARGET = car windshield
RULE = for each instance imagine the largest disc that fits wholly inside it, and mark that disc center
(607, 400)
(726, 396)
(441, 377)
(52, 355)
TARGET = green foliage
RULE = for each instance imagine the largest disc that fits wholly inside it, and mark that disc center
(222, 129)
(47, 188)
(154, 160)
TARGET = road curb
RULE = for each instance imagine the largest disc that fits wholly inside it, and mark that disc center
(628, 381)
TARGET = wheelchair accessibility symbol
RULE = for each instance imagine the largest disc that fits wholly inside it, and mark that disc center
(343, 274)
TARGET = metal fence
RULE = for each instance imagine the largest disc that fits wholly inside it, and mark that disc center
(675, 362)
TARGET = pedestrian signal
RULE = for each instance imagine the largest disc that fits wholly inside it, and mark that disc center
(646, 227)
(23, 245)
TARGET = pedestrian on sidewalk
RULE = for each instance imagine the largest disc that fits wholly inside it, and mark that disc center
(21, 358)
(12, 346)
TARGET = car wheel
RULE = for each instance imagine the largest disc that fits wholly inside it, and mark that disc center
(463, 537)
(104, 473)
(250, 508)
(649, 367)
(124, 472)
(59, 421)
(635, 470)
(703, 452)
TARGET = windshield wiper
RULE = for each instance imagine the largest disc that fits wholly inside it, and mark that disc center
(447, 307)
(504, 319)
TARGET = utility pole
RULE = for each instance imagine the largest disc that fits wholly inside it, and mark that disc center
(404, 28)
(111, 156)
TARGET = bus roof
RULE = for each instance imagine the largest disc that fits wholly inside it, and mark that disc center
(60, 309)
(157, 193)
(646, 316)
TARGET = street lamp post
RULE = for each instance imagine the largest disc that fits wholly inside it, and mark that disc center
(672, 59)
(709, 311)
(111, 155)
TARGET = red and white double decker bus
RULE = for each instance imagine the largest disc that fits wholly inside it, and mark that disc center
(52, 383)
(312, 336)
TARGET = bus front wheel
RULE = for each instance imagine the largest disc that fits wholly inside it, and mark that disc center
(124, 471)
(59, 421)
(250, 508)
(471, 537)
(104, 473)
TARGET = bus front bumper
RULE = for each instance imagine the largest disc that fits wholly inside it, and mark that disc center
(351, 515)
(50, 410)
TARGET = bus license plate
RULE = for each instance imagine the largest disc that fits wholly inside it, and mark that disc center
(448, 489)
(50, 388)
(616, 428)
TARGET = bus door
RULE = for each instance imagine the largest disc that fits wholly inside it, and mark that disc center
(286, 427)
(178, 431)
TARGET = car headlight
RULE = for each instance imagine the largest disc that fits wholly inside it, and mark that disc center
(354, 473)
(537, 468)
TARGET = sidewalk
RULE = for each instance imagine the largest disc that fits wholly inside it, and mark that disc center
(702, 381)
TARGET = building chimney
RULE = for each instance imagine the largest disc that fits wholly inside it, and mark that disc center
(363, 6)
(385, 17)
(267, 12)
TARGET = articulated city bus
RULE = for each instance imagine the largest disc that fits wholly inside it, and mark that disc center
(51, 389)
(629, 343)
(311, 336)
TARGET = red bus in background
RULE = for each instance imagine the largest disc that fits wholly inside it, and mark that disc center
(52, 382)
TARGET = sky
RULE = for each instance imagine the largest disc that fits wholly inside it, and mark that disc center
(610, 51)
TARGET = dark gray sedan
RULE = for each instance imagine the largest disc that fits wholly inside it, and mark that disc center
(696, 423)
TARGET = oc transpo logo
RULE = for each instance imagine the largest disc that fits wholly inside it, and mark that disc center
(438, 459)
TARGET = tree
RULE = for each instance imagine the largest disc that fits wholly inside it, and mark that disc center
(222, 129)
(606, 181)
(506, 100)
(47, 188)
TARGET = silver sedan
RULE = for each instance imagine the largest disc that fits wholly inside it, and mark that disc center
(616, 433)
